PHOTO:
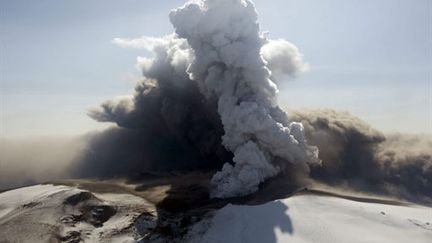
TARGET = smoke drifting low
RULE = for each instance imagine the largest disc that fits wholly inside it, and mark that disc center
(357, 156)
(33, 160)
(207, 102)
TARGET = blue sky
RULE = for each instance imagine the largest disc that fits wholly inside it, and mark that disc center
(372, 58)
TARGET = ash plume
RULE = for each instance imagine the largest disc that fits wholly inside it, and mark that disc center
(357, 156)
(210, 86)
(207, 102)
(166, 120)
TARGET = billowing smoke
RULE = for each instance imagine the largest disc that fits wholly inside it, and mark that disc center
(283, 59)
(166, 124)
(210, 85)
(207, 102)
(228, 66)
(357, 156)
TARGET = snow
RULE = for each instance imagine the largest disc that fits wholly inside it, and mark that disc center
(311, 218)
(42, 213)
(14, 199)
(46, 213)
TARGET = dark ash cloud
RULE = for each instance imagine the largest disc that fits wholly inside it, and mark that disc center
(357, 156)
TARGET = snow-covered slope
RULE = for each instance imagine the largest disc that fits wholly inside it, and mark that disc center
(312, 218)
(104, 213)
(48, 213)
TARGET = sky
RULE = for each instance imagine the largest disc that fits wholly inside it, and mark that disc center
(372, 58)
